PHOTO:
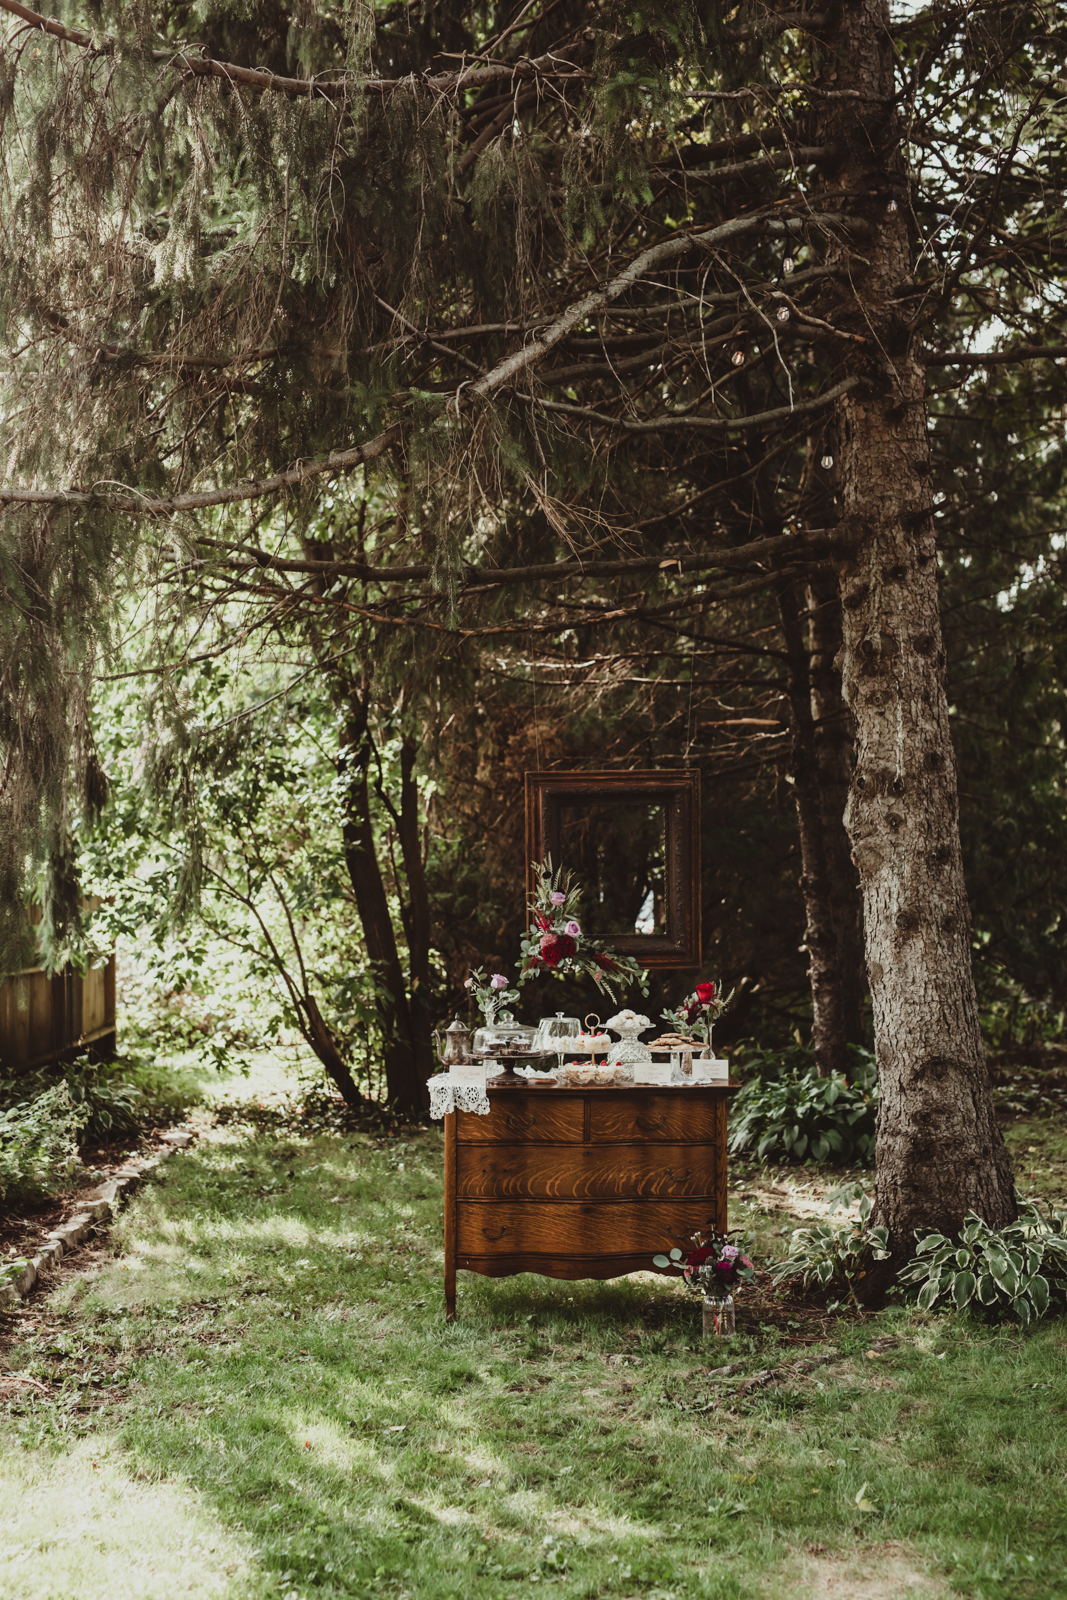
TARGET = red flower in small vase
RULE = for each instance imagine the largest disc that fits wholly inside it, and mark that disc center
(706, 993)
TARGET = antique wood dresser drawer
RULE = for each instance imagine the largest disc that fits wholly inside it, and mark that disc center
(562, 1227)
(655, 1119)
(582, 1183)
(516, 1117)
(585, 1172)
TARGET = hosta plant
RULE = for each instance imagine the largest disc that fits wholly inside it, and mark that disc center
(835, 1255)
(1020, 1269)
(802, 1117)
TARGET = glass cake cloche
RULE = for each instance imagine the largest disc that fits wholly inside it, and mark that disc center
(506, 1037)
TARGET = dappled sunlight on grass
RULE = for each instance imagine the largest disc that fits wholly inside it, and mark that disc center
(276, 1307)
(84, 1524)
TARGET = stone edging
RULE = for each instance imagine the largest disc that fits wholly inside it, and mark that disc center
(98, 1206)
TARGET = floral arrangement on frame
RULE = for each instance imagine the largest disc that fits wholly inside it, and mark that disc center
(556, 945)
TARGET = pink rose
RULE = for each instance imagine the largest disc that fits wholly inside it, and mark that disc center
(572, 928)
(498, 981)
(556, 898)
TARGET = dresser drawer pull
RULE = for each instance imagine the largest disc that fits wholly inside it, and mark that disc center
(679, 1177)
(650, 1127)
(493, 1236)
(520, 1124)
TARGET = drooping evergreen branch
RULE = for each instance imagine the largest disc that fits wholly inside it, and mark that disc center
(254, 489)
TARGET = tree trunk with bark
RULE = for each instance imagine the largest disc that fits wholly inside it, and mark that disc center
(406, 1067)
(403, 1006)
(418, 925)
(939, 1151)
(317, 1033)
(835, 752)
(827, 956)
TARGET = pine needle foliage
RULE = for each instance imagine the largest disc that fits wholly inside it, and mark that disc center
(527, 267)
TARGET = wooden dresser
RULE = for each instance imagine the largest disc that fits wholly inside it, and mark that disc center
(581, 1183)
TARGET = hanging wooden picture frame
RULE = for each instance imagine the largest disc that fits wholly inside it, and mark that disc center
(633, 839)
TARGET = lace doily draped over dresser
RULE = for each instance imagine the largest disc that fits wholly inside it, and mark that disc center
(449, 1094)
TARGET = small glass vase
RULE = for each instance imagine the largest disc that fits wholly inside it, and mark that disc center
(719, 1317)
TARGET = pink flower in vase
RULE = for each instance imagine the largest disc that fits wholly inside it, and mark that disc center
(498, 981)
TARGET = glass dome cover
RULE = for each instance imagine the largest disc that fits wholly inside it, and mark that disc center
(551, 1029)
(505, 1036)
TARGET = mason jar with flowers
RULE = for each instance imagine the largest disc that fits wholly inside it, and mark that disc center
(713, 1268)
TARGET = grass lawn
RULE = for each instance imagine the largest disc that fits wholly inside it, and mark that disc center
(253, 1392)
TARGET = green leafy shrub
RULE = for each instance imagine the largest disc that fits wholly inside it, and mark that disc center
(39, 1142)
(109, 1102)
(1020, 1269)
(835, 1255)
(799, 1116)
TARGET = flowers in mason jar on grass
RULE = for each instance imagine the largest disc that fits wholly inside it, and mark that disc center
(712, 1268)
(557, 946)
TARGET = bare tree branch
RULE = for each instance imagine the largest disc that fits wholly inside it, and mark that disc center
(202, 66)
(995, 358)
(674, 421)
(811, 545)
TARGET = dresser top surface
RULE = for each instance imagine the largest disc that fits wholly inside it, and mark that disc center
(555, 1091)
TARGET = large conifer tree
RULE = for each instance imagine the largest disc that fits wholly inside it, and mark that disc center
(673, 269)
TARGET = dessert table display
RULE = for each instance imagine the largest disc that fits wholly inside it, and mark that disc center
(579, 1182)
(577, 1150)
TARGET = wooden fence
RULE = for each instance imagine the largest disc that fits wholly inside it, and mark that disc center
(45, 1019)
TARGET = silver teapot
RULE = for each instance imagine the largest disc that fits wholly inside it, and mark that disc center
(456, 1044)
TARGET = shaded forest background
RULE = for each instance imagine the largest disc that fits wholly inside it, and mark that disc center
(300, 753)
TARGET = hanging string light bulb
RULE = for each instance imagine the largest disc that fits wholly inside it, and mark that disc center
(783, 313)
(738, 358)
(827, 462)
(788, 265)
(892, 206)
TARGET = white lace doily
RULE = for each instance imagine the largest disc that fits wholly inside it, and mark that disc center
(452, 1094)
